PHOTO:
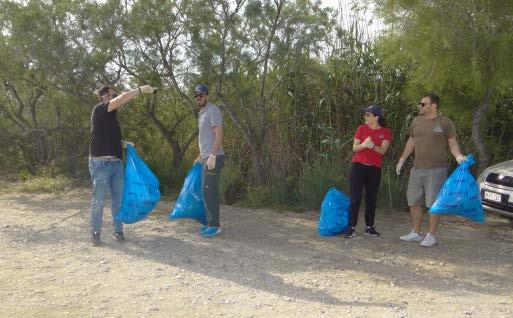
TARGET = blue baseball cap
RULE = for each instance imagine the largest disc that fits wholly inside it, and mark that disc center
(373, 109)
(201, 89)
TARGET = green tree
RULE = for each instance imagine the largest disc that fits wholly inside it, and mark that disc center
(46, 72)
(460, 49)
(248, 49)
(152, 47)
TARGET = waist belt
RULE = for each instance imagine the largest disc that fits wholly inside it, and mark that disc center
(105, 158)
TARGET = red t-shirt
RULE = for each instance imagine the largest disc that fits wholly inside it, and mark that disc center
(368, 156)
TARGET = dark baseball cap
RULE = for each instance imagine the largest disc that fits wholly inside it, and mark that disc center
(201, 89)
(373, 109)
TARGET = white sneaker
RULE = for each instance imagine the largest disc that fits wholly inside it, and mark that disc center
(411, 237)
(428, 241)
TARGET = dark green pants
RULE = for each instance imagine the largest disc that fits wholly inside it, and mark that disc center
(210, 181)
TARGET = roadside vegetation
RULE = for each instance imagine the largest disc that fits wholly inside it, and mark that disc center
(289, 76)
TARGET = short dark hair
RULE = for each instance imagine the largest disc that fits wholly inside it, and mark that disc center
(435, 99)
(105, 89)
(381, 121)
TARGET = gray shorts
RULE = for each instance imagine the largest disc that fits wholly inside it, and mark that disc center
(424, 185)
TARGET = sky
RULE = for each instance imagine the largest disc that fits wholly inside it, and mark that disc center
(367, 17)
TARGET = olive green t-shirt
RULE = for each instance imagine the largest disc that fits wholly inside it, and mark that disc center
(430, 136)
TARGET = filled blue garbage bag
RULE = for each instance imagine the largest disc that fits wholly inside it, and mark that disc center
(141, 191)
(460, 194)
(334, 217)
(190, 204)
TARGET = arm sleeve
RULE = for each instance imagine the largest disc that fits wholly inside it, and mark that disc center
(100, 112)
(359, 133)
(450, 129)
(216, 118)
(388, 135)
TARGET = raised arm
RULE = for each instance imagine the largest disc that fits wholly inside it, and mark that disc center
(125, 97)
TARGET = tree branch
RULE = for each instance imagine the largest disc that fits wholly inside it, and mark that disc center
(21, 105)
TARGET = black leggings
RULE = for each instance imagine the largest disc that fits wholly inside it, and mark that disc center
(368, 177)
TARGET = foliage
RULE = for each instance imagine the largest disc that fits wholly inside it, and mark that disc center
(289, 78)
(48, 183)
(460, 49)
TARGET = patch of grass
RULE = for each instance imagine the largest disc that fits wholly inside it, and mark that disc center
(171, 178)
(278, 194)
(392, 190)
(8, 181)
(305, 192)
(317, 180)
(231, 185)
(257, 197)
(283, 193)
(46, 183)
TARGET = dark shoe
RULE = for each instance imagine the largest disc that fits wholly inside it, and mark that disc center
(371, 231)
(95, 238)
(351, 232)
(119, 236)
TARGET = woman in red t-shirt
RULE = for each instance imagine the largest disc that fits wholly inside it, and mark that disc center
(371, 141)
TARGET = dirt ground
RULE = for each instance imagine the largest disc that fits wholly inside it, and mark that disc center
(265, 263)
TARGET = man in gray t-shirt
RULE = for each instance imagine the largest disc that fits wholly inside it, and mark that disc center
(210, 122)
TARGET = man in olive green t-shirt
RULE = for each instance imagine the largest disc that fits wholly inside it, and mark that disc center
(430, 134)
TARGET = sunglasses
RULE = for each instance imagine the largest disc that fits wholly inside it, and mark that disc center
(199, 95)
(424, 104)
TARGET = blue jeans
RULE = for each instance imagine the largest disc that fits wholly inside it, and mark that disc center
(106, 175)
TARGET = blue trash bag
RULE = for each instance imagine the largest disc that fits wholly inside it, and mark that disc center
(460, 194)
(190, 204)
(334, 217)
(141, 191)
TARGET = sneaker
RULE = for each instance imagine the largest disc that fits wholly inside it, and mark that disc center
(119, 236)
(95, 238)
(203, 228)
(371, 231)
(210, 231)
(412, 237)
(429, 240)
(351, 232)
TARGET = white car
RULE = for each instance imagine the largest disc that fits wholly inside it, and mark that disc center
(496, 184)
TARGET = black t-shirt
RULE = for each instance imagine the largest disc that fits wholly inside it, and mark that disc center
(105, 132)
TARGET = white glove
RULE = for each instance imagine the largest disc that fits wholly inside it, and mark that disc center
(147, 89)
(125, 143)
(211, 162)
(460, 158)
(367, 143)
(399, 165)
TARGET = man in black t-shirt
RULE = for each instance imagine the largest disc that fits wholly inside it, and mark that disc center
(105, 163)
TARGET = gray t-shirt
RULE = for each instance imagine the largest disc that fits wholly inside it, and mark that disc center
(210, 116)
